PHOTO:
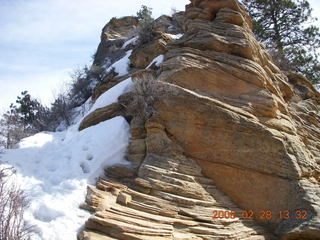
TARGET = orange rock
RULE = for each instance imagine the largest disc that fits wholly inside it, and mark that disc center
(229, 131)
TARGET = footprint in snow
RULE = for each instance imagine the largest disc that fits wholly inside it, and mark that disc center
(89, 157)
(46, 214)
(85, 167)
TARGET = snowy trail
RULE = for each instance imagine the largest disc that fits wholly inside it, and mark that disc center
(54, 169)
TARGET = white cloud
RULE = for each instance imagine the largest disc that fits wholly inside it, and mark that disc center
(40, 39)
(39, 85)
(40, 21)
(315, 4)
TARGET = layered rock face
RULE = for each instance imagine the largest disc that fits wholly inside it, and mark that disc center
(228, 131)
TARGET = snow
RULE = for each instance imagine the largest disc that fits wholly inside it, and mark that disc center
(37, 140)
(107, 63)
(82, 111)
(175, 36)
(130, 41)
(158, 60)
(121, 66)
(111, 96)
(317, 87)
(54, 169)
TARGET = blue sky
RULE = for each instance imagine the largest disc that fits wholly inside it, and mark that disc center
(42, 41)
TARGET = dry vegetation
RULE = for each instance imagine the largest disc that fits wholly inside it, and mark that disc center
(13, 202)
(146, 92)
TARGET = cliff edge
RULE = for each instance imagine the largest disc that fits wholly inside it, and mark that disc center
(216, 128)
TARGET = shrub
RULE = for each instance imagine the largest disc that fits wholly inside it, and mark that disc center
(145, 30)
(145, 14)
(80, 87)
(84, 80)
(145, 92)
(60, 111)
(13, 202)
(145, 33)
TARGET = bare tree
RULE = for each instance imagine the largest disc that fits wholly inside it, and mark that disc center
(11, 130)
(61, 109)
(13, 202)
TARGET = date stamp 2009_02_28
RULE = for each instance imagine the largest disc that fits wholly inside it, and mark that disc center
(260, 215)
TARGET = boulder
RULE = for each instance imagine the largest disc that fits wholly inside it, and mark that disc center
(100, 115)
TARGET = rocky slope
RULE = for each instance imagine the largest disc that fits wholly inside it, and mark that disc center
(215, 127)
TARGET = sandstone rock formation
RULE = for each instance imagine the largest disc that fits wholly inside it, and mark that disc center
(113, 36)
(228, 131)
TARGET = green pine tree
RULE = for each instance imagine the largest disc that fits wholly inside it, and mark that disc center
(145, 14)
(27, 107)
(25, 118)
(146, 24)
(285, 27)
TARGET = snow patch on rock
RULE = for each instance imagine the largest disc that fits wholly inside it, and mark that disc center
(121, 66)
(111, 96)
(131, 41)
(158, 60)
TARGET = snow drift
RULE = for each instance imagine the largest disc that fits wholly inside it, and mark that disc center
(54, 169)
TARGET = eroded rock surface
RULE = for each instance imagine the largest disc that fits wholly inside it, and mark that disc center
(163, 195)
(229, 131)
